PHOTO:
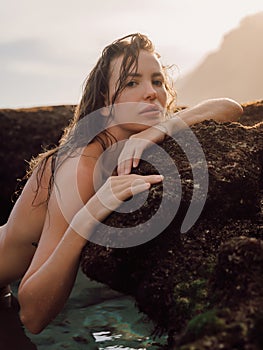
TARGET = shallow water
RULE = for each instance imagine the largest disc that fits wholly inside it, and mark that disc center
(95, 318)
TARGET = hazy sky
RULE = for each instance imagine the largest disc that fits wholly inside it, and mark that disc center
(48, 47)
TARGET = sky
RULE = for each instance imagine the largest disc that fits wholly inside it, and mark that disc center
(47, 48)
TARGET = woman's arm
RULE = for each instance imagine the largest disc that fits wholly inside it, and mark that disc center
(220, 110)
(43, 293)
(49, 279)
(51, 275)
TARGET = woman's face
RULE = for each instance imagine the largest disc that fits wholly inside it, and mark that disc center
(142, 102)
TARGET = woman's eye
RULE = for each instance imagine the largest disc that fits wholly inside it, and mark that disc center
(158, 82)
(131, 83)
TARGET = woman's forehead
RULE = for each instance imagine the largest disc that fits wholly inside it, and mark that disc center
(146, 61)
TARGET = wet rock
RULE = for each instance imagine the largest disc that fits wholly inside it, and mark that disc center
(233, 319)
(23, 134)
(171, 276)
(201, 286)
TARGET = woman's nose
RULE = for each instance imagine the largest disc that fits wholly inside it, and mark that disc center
(150, 93)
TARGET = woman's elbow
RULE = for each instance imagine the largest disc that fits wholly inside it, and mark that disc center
(233, 109)
(31, 323)
(29, 315)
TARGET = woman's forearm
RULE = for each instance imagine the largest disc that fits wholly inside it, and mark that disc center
(43, 294)
(44, 291)
(221, 110)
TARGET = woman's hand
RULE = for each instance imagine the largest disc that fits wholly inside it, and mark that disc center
(116, 190)
(220, 110)
(132, 151)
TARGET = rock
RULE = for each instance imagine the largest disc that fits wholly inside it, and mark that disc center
(170, 276)
(234, 318)
(253, 112)
(190, 284)
(23, 134)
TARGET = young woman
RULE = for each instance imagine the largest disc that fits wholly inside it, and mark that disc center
(126, 97)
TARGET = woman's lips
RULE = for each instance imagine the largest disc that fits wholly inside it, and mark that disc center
(151, 109)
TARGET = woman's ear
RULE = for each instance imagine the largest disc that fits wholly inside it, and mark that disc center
(105, 111)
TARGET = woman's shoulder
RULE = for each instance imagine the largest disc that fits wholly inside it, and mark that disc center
(93, 150)
(88, 158)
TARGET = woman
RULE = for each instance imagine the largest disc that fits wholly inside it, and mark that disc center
(126, 97)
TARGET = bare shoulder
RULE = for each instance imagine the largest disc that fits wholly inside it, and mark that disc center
(27, 217)
(89, 174)
(74, 181)
(92, 150)
(73, 186)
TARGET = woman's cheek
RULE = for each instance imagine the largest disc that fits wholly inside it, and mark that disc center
(164, 97)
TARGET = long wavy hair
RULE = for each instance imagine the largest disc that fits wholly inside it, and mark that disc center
(88, 124)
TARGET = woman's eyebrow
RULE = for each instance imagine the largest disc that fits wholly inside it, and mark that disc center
(138, 75)
(157, 74)
(135, 75)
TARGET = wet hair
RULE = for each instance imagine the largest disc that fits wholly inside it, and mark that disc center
(87, 120)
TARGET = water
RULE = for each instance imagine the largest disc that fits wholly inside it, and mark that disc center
(98, 318)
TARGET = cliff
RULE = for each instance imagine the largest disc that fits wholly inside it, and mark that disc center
(232, 70)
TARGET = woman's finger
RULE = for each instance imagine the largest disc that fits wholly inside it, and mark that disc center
(132, 159)
(140, 186)
(152, 178)
(137, 156)
(124, 167)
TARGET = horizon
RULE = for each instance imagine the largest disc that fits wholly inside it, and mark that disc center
(45, 59)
